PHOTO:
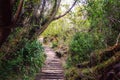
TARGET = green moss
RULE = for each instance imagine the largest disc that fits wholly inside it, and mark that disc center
(72, 73)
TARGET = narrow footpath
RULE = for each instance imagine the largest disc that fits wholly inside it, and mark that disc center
(52, 69)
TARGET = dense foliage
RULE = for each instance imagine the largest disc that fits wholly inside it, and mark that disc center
(82, 45)
(58, 32)
(20, 56)
(103, 18)
(80, 37)
(23, 64)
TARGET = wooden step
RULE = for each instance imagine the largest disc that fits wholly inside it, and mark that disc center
(52, 69)
(51, 79)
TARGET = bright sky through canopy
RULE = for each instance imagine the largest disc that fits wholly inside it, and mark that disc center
(67, 1)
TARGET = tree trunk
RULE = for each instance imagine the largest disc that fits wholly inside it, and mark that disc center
(5, 19)
(5, 13)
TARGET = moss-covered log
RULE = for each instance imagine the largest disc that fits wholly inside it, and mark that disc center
(100, 70)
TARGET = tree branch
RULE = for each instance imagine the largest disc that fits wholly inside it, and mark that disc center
(51, 16)
(15, 17)
(66, 11)
(43, 5)
(117, 40)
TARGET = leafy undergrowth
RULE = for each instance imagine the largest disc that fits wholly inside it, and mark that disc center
(83, 44)
(85, 62)
(72, 74)
(80, 49)
(91, 56)
(108, 69)
(24, 64)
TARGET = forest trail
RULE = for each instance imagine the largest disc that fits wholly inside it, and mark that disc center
(52, 69)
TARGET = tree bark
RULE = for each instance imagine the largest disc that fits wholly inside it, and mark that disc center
(5, 13)
(5, 19)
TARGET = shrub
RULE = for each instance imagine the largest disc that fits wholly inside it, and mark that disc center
(82, 45)
(72, 74)
(25, 62)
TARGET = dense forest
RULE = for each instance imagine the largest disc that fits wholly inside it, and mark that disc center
(84, 34)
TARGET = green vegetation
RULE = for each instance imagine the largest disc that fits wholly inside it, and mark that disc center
(103, 31)
(82, 45)
(26, 62)
(102, 18)
(87, 39)
(58, 32)
(90, 28)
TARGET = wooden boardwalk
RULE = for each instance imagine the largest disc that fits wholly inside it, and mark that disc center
(52, 70)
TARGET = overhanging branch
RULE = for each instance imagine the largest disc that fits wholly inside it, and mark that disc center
(48, 20)
(66, 11)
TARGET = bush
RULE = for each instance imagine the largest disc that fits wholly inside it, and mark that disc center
(25, 62)
(82, 45)
(72, 74)
(104, 16)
